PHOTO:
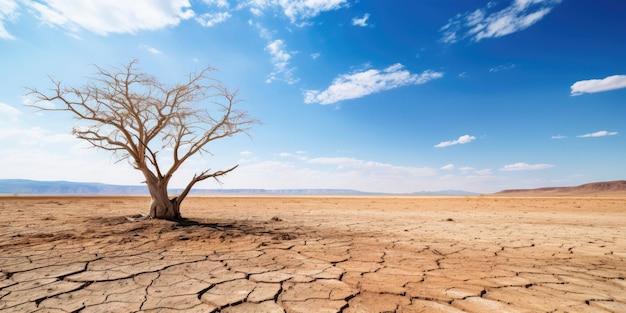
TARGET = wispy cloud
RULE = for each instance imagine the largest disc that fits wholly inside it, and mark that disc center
(447, 167)
(217, 3)
(298, 11)
(504, 67)
(602, 133)
(150, 49)
(462, 140)
(359, 84)
(357, 164)
(486, 171)
(525, 167)
(360, 21)
(8, 114)
(598, 85)
(280, 56)
(219, 15)
(104, 17)
(484, 23)
(292, 170)
(8, 12)
(280, 60)
(558, 137)
(212, 19)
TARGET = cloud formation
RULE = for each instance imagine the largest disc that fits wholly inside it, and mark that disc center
(601, 133)
(482, 23)
(462, 140)
(447, 167)
(598, 85)
(298, 11)
(212, 19)
(152, 50)
(360, 21)
(8, 11)
(525, 167)
(217, 3)
(359, 84)
(280, 60)
(8, 114)
(501, 68)
(372, 166)
(112, 16)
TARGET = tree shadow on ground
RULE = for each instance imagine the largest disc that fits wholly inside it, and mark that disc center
(271, 228)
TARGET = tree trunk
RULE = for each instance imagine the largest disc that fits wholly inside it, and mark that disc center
(161, 206)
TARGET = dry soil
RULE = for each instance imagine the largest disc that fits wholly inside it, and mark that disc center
(315, 254)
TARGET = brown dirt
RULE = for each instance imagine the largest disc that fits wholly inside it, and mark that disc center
(315, 254)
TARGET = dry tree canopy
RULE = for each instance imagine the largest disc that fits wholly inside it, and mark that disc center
(135, 116)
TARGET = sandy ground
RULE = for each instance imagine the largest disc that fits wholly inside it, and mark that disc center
(315, 254)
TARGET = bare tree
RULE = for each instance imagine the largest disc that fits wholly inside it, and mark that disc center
(137, 117)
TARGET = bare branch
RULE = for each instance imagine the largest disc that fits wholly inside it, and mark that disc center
(136, 117)
(204, 175)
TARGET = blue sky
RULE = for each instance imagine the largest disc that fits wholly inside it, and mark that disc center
(389, 96)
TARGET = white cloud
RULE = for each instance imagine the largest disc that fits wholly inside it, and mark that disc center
(462, 140)
(263, 32)
(150, 49)
(217, 3)
(486, 171)
(360, 21)
(280, 56)
(8, 11)
(8, 114)
(447, 167)
(500, 68)
(356, 164)
(315, 55)
(481, 23)
(112, 16)
(525, 167)
(360, 84)
(351, 173)
(598, 85)
(280, 60)
(601, 133)
(297, 10)
(212, 19)
(558, 137)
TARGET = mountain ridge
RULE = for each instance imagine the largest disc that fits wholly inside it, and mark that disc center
(595, 188)
(35, 187)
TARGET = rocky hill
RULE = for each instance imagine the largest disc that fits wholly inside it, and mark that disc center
(616, 187)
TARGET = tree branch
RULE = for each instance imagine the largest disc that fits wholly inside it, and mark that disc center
(204, 175)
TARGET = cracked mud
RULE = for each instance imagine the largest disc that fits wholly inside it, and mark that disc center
(314, 254)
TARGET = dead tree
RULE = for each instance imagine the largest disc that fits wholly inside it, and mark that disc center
(136, 117)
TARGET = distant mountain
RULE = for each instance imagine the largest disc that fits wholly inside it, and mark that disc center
(34, 187)
(598, 188)
(444, 193)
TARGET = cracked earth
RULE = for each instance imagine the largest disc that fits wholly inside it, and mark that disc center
(314, 254)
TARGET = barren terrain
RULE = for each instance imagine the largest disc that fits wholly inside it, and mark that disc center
(315, 254)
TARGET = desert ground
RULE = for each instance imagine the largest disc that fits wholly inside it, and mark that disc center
(315, 254)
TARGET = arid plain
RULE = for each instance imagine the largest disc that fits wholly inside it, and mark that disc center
(315, 254)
